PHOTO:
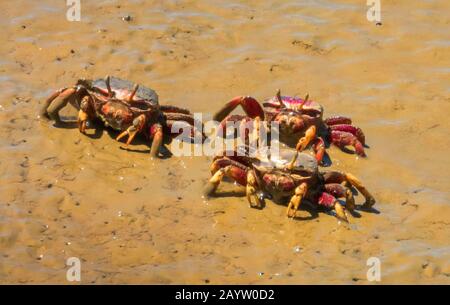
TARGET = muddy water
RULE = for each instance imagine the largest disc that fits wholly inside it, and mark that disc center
(133, 220)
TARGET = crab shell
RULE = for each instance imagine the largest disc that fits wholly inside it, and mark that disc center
(122, 89)
(116, 111)
(294, 103)
(279, 183)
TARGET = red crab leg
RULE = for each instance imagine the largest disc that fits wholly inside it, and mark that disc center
(233, 172)
(223, 162)
(234, 156)
(334, 120)
(173, 117)
(251, 107)
(170, 108)
(356, 131)
(156, 132)
(329, 201)
(342, 139)
(238, 172)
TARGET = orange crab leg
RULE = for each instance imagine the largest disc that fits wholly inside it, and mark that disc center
(138, 124)
(294, 203)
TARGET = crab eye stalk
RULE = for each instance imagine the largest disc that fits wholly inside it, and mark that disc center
(279, 99)
(300, 106)
(108, 86)
(133, 93)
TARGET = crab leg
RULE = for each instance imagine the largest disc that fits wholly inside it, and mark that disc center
(237, 173)
(138, 125)
(330, 201)
(173, 117)
(356, 131)
(158, 135)
(174, 109)
(342, 139)
(338, 177)
(251, 107)
(294, 203)
(340, 191)
(335, 120)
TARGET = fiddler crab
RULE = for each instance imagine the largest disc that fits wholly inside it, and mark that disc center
(301, 123)
(291, 177)
(126, 107)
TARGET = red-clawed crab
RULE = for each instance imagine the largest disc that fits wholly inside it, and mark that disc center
(288, 181)
(300, 121)
(128, 108)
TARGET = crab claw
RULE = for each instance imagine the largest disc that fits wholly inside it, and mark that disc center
(329, 201)
(295, 201)
(340, 212)
(310, 134)
(251, 107)
(138, 124)
(82, 119)
(254, 199)
(130, 132)
(215, 180)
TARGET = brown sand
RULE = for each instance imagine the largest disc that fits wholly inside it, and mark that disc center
(132, 220)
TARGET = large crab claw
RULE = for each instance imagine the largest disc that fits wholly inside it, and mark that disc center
(59, 100)
(250, 105)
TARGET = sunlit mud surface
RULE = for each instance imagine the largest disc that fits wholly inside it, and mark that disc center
(133, 220)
